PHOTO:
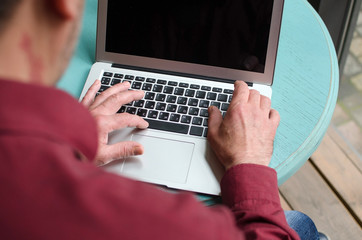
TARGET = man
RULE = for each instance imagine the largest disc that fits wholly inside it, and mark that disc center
(50, 146)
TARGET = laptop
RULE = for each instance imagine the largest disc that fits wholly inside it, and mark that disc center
(186, 56)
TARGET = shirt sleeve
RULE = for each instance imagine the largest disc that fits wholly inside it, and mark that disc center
(251, 192)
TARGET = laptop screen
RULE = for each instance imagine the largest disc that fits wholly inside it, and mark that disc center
(223, 33)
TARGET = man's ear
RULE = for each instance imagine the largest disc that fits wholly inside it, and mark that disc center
(67, 9)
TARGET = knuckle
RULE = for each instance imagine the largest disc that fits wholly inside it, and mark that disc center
(126, 151)
(99, 119)
(115, 98)
(254, 92)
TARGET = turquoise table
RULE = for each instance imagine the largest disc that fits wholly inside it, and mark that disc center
(304, 90)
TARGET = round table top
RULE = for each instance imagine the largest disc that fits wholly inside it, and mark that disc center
(305, 84)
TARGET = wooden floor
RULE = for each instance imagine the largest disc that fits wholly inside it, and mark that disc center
(328, 188)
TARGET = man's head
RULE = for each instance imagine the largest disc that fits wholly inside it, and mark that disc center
(37, 38)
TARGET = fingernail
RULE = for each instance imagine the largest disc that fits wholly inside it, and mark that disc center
(137, 150)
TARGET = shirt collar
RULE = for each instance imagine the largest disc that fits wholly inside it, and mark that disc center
(47, 112)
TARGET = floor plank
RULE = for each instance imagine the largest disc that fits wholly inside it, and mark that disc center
(343, 145)
(340, 173)
(307, 192)
(285, 204)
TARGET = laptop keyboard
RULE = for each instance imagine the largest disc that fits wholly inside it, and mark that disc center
(171, 106)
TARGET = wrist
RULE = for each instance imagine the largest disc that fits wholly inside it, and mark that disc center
(255, 161)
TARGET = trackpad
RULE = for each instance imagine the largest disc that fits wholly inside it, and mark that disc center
(163, 159)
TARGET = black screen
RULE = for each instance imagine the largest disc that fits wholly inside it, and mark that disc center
(224, 33)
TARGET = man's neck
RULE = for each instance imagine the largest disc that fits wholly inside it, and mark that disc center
(20, 59)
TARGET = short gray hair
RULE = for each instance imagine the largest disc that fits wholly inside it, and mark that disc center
(7, 7)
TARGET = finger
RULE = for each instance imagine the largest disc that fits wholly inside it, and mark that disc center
(265, 103)
(215, 120)
(88, 98)
(123, 120)
(118, 151)
(118, 88)
(274, 116)
(113, 103)
(254, 97)
(241, 92)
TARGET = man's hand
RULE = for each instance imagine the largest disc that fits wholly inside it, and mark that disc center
(246, 134)
(104, 109)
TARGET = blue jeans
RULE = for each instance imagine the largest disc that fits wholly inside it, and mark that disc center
(302, 224)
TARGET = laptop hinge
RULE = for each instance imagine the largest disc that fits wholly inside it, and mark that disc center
(189, 75)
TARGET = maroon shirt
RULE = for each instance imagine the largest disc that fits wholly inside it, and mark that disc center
(47, 192)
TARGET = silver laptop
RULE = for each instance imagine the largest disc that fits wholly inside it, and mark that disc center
(186, 56)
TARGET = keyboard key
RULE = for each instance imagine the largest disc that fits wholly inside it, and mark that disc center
(157, 88)
(182, 100)
(140, 79)
(175, 117)
(200, 94)
(222, 98)
(147, 87)
(205, 132)
(108, 74)
(183, 109)
(204, 113)
(171, 83)
(194, 111)
(149, 96)
(179, 91)
(129, 77)
(225, 106)
(228, 91)
(206, 88)
(216, 104)
(160, 97)
(184, 85)
(171, 99)
(168, 90)
(105, 80)
(164, 116)
(118, 75)
(186, 119)
(142, 112)
(215, 89)
(206, 122)
(150, 104)
(152, 114)
(160, 81)
(168, 126)
(131, 110)
(103, 88)
(195, 86)
(122, 109)
(171, 108)
(193, 102)
(139, 103)
(204, 104)
(211, 96)
(150, 80)
(161, 106)
(197, 121)
(136, 85)
(196, 131)
(190, 93)
(115, 81)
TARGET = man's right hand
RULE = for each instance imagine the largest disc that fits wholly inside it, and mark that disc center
(246, 134)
